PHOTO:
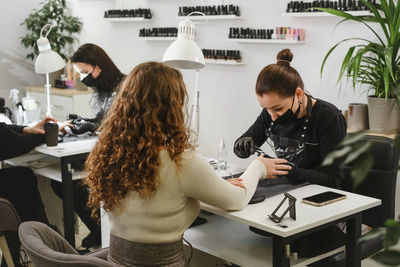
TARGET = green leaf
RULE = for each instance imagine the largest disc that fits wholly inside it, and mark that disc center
(388, 52)
(350, 17)
(356, 151)
(392, 233)
(392, 223)
(374, 233)
(386, 80)
(388, 257)
(361, 167)
(330, 158)
(345, 62)
(352, 138)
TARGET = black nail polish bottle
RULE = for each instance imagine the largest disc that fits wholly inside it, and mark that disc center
(237, 56)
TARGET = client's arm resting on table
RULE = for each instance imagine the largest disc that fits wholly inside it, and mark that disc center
(200, 181)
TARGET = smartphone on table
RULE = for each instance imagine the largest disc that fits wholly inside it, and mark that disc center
(324, 198)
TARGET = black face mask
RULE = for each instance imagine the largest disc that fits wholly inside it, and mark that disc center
(90, 81)
(288, 116)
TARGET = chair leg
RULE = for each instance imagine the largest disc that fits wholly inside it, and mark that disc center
(6, 251)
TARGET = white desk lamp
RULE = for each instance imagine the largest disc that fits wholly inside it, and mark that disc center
(47, 61)
(184, 53)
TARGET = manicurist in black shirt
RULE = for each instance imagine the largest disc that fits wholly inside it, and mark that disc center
(300, 129)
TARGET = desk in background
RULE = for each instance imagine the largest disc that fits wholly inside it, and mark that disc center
(63, 101)
(57, 166)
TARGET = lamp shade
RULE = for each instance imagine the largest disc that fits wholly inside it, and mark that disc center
(47, 61)
(184, 53)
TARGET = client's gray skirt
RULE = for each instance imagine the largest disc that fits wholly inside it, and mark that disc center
(127, 253)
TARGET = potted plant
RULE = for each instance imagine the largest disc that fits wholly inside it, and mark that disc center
(64, 29)
(375, 63)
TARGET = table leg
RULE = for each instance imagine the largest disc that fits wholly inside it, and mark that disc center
(278, 252)
(353, 247)
(68, 202)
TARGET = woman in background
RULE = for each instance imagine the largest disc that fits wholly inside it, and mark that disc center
(100, 73)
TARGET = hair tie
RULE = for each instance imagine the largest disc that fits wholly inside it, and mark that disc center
(283, 60)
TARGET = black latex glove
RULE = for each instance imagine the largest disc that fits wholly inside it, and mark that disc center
(72, 117)
(244, 147)
(81, 127)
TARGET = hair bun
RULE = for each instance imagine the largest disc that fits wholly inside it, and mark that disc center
(285, 56)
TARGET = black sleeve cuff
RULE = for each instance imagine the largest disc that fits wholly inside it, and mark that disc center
(17, 128)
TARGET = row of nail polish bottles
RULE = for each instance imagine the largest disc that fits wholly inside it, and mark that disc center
(342, 5)
(247, 33)
(222, 55)
(158, 32)
(287, 33)
(220, 10)
(128, 13)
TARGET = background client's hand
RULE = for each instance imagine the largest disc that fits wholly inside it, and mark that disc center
(38, 128)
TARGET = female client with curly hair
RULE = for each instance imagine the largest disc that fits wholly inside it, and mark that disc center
(146, 175)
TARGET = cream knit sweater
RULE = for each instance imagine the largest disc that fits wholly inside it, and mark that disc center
(165, 216)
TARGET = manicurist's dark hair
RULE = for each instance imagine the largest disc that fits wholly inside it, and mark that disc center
(279, 78)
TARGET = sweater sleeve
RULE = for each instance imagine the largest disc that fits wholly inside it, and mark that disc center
(13, 143)
(331, 130)
(201, 182)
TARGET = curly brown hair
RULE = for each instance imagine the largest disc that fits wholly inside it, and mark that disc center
(147, 116)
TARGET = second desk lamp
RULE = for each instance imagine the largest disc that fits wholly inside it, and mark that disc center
(184, 53)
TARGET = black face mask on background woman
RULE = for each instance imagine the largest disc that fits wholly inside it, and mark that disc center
(90, 81)
(288, 116)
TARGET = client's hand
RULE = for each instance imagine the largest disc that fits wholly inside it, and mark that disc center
(64, 124)
(275, 167)
(236, 182)
(38, 128)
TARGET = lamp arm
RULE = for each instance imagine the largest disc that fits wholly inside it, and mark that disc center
(48, 86)
(47, 27)
(200, 13)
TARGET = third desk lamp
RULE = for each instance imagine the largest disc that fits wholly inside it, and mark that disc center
(184, 53)
(47, 61)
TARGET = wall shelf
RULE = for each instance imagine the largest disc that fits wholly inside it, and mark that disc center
(323, 14)
(265, 41)
(127, 19)
(217, 17)
(158, 39)
(223, 62)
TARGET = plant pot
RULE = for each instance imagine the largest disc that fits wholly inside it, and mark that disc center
(384, 115)
(357, 118)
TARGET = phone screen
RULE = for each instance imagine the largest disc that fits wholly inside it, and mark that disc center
(324, 197)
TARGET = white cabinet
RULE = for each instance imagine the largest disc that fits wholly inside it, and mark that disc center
(63, 102)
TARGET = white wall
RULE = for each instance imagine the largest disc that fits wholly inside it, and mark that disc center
(228, 102)
(15, 70)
